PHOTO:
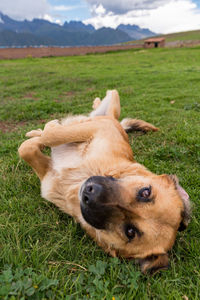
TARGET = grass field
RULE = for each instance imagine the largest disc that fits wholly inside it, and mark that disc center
(184, 36)
(44, 254)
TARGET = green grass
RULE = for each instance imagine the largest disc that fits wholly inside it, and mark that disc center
(43, 252)
(183, 36)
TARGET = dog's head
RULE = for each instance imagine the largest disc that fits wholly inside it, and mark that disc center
(136, 216)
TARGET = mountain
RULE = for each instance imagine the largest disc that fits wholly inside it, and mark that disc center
(74, 33)
(78, 26)
(25, 26)
(10, 38)
(104, 36)
(135, 32)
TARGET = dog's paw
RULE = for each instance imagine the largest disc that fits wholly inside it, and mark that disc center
(51, 124)
(96, 103)
(34, 133)
(50, 132)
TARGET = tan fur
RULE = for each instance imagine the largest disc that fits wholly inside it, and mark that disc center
(98, 145)
(137, 125)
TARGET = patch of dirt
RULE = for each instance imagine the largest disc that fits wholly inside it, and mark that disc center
(69, 93)
(29, 52)
(30, 95)
(6, 126)
(10, 126)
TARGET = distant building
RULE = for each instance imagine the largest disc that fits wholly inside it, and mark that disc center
(154, 43)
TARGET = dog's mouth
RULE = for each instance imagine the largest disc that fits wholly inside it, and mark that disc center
(98, 198)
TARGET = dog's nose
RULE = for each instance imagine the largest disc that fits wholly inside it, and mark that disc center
(91, 193)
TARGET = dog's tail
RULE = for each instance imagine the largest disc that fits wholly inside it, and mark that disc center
(131, 125)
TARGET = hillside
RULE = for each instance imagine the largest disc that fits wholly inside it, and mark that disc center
(185, 36)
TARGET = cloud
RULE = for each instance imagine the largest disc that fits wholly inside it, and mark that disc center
(66, 7)
(172, 16)
(124, 6)
(48, 17)
(99, 10)
(21, 9)
(62, 8)
(29, 9)
(182, 15)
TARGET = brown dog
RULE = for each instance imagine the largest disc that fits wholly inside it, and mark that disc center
(92, 176)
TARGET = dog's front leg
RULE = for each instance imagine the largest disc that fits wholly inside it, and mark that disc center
(30, 151)
(55, 134)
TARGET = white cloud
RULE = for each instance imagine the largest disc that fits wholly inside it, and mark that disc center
(64, 7)
(98, 10)
(179, 16)
(173, 16)
(21, 9)
(124, 6)
(59, 22)
(48, 18)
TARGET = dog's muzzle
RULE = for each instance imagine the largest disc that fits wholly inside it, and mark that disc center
(91, 193)
(97, 196)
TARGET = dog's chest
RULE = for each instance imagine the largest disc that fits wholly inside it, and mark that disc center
(68, 155)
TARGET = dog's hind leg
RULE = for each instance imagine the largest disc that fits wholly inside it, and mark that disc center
(30, 151)
(109, 106)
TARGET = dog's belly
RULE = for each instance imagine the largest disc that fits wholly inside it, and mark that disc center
(66, 156)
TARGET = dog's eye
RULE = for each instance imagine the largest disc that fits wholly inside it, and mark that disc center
(144, 194)
(130, 231)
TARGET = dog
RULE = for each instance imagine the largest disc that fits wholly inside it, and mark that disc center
(92, 175)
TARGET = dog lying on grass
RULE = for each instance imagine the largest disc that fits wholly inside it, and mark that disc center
(92, 175)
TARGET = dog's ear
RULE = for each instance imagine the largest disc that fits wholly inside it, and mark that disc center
(154, 263)
(186, 203)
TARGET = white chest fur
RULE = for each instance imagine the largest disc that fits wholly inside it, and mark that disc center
(66, 156)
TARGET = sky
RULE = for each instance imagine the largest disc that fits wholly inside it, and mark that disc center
(160, 16)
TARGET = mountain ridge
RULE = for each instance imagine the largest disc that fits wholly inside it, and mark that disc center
(74, 33)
